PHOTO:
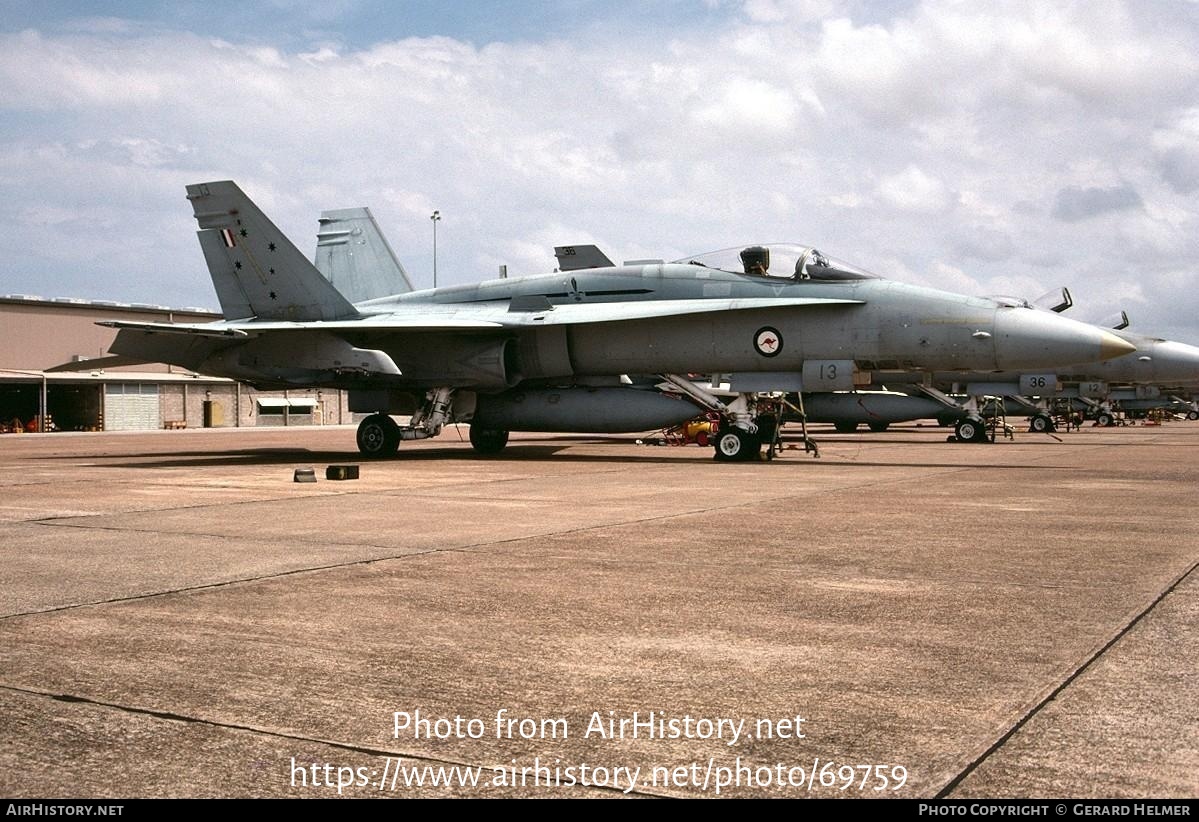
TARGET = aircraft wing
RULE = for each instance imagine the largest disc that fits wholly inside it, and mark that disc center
(520, 313)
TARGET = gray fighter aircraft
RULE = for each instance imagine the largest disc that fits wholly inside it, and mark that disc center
(1157, 366)
(1143, 379)
(540, 353)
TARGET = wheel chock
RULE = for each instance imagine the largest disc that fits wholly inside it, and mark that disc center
(341, 472)
(305, 475)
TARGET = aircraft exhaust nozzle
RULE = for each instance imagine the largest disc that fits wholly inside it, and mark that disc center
(1042, 339)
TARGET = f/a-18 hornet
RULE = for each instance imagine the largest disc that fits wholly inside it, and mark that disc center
(547, 352)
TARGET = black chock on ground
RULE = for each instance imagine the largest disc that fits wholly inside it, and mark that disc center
(341, 472)
(305, 475)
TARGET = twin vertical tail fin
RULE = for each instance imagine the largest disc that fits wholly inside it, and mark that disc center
(355, 257)
(256, 270)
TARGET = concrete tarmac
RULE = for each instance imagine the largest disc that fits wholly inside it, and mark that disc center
(902, 616)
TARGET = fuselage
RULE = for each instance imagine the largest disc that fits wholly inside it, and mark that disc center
(511, 334)
(884, 324)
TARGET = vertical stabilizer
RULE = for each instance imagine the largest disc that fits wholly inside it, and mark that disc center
(256, 270)
(578, 257)
(355, 257)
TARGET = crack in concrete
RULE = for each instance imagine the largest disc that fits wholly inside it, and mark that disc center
(1077, 671)
(260, 731)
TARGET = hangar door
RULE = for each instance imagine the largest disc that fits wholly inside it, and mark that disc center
(131, 406)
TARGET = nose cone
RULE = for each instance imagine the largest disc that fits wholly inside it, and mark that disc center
(1112, 347)
(1042, 339)
(1173, 363)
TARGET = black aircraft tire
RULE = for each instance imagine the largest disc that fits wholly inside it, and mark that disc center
(845, 427)
(878, 427)
(970, 430)
(1193, 415)
(1105, 419)
(487, 440)
(378, 436)
(735, 444)
(1041, 424)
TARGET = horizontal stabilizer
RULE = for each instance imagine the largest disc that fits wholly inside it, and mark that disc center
(247, 328)
(97, 364)
(202, 330)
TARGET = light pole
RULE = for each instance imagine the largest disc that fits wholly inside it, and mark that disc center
(436, 218)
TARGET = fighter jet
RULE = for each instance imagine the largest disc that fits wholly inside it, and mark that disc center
(546, 352)
(1137, 378)
(1137, 381)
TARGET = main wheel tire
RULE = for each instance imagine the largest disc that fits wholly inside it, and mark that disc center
(1193, 415)
(1041, 424)
(378, 436)
(845, 427)
(488, 440)
(736, 444)
(970, 430)
(1105, 419)
(878, 427)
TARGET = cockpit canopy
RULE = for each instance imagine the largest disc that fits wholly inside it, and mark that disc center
(785, 261)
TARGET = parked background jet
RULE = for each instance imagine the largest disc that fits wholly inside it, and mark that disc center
(541, 352)
(1146, 377)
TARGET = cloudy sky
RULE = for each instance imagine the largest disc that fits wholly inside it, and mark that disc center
(985, 148)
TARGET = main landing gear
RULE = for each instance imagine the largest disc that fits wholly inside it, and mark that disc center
(747, 423)
(380, 436)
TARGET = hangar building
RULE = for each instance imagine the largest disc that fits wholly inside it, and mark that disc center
(37, 334)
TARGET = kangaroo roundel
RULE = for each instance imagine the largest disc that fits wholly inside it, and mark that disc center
(768, 341)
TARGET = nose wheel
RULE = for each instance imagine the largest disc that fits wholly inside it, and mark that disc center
(1041, 424)
(737, 445)
(971, 429)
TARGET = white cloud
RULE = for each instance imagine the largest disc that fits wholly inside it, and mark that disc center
(749, 108)
(913, 190)
(934, 144)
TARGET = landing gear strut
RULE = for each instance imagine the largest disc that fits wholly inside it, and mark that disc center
(380, 436)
